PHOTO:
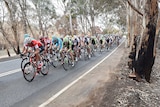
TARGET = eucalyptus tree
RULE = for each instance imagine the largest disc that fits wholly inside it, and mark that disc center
(143, 51)
(45, 12)
(81, 12)
(109, 10)
(23, 8)
(13, 22)
(5, 37)
(87, 11)
(69, 16)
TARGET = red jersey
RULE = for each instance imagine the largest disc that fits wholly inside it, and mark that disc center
(46, 41)
(35, 43)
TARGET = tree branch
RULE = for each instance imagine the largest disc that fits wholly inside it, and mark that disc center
(134, 8)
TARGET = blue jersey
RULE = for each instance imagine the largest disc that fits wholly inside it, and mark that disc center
(59, 43)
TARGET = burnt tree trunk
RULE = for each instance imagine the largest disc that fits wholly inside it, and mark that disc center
(146, 54)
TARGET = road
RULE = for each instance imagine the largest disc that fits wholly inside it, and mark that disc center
(16, 92)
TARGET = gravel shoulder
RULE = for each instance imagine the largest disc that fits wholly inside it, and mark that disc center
(121, 91)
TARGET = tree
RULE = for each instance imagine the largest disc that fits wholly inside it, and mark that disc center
(144, 48)
(12, 9)
(45, 12)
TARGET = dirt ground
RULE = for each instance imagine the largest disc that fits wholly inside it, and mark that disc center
(122, 91)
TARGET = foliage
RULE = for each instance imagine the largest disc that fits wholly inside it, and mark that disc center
(38, 16)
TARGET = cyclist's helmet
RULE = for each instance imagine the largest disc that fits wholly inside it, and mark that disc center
(26, 35)
(27, 40)
(54, 40)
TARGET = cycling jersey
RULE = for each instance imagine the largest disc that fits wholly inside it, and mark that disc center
(35, 45)
(94, 40)
(59, 43)
(102, 39)
(67, 42)
(76, 41)
(86, 40)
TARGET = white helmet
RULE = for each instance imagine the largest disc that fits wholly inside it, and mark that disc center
(27, 40)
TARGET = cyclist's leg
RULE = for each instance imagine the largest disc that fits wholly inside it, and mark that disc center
(71, 52)
(38, 58)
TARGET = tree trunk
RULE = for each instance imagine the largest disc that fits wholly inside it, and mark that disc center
(30, 29)
(146, 54)
(128, 25)
(5, 36)
(22, 4)
(8, 52)
(13, 26)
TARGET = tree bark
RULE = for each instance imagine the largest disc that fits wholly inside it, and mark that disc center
(22, 4)
(8, 52)
(146, 54)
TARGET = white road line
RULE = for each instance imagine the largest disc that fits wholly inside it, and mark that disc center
(9, 72)
(72, 83)
(9, 61)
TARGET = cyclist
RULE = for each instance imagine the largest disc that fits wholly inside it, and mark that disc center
(76, 47)
(108, 42)
(58, 44)
(102, 41)
(67, 47)
(86, 41)
(94, 42)
(36, 46)
(47, 43)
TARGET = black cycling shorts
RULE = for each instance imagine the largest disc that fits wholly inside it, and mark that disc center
(101, 41)
(93, 42)
(41, 49)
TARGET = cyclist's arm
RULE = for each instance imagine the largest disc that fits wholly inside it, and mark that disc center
(59, 44)
(25, 50)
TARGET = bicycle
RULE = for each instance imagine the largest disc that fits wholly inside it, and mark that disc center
(31, 68)
(55, 58)
(100, 48)
(92, 50)
(67, 61)
(84, 51)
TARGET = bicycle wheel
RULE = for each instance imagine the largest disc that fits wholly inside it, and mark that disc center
(55, 60)
(100, 49)
(67, 63)
(85, 54)
(92, 51)
(23, 62)
(45, 67)
(29, 72)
